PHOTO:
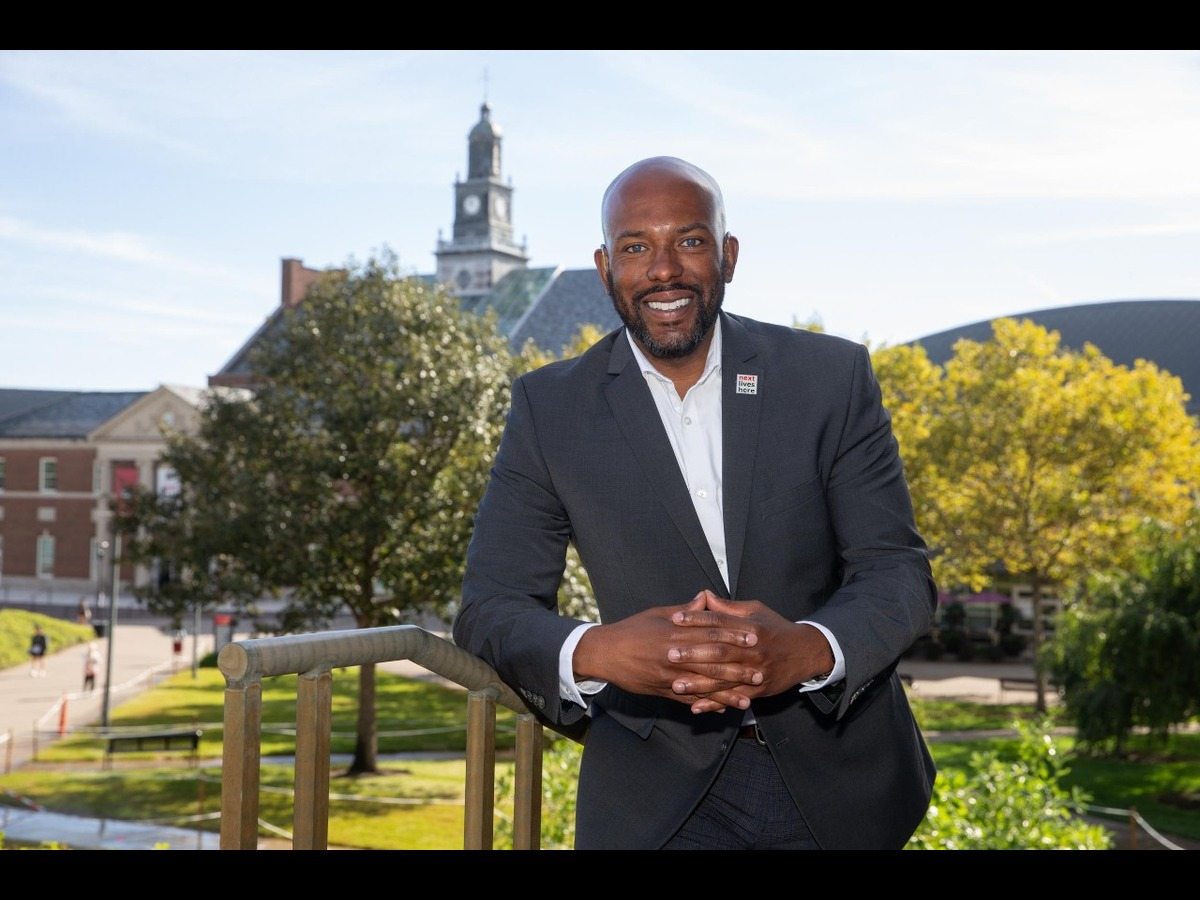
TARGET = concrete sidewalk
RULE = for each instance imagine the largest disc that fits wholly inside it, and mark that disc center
(25, 700)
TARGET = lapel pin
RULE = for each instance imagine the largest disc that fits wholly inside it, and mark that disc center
(747, 384)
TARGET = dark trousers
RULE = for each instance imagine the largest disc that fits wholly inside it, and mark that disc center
(748, 807)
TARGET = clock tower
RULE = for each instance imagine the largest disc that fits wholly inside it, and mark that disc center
(482, 249)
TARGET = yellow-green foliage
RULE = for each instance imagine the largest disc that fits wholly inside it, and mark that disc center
(16, 628)
(1047, 460)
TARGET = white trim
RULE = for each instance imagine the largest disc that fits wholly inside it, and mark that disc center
(50, 496)
(42, 479)
(39, 556)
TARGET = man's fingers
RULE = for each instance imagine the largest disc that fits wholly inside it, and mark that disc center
(707, 618)
(723, 678)
(727, 700)
(723, 644)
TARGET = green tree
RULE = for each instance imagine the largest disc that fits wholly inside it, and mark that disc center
(1044, 461)
(1130, 656)
(197, 541)
(352, 475)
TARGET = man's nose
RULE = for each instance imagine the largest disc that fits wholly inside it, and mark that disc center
(665, 265)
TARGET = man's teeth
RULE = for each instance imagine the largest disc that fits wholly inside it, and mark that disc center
(663, 306)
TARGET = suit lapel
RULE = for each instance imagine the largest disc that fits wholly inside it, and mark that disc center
(637, 416)
(739, 426)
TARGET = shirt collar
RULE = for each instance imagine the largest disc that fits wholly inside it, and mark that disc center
(711, 363)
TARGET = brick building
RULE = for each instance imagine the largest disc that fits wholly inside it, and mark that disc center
(63, 456)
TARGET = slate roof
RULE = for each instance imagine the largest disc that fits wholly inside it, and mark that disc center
(1165, 332)
(575, 297)
(69, 414)
(512, 297)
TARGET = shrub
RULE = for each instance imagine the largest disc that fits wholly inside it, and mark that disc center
(560, 775)
(1009, 804)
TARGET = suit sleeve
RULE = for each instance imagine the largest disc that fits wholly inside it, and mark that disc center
(887, 597)
(509, 615)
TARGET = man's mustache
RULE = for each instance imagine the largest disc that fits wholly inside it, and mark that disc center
(665, 288)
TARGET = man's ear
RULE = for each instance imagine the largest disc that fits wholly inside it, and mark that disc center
(729, 256)
(600, 257)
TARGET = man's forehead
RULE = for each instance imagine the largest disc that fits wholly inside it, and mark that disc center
(653, 186)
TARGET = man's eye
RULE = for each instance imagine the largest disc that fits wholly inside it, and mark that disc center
(692, 242)
(635, 248)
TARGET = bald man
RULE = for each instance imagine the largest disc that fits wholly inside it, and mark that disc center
(735, 493)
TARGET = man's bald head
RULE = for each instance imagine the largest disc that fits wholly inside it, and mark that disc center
(656, 172)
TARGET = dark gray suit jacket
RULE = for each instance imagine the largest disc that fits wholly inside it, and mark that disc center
(818, 526)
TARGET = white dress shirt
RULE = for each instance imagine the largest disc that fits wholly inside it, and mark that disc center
(693, 426)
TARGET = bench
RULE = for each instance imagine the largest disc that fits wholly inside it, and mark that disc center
(1023, 684)
(177, 739)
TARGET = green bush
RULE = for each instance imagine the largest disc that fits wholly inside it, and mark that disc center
(1000, 804)
(994, 805)
(560, 775)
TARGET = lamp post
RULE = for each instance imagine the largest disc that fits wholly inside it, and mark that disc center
(112, 622)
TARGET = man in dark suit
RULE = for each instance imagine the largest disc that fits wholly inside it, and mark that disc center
(736, 496)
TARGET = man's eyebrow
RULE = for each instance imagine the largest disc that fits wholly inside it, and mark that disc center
(682, 229)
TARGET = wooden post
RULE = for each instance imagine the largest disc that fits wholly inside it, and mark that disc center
(314, 703)
(481, 771)
(239, 767)
(527, 800)
(1133, 828)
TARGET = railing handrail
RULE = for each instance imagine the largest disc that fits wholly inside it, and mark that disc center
(243, 662)
(313, 657)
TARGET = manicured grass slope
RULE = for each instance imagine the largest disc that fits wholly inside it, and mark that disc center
(16, 628)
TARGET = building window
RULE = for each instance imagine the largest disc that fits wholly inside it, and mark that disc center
(3, 474)
(47, 474)
(45, 556)
(46, 514)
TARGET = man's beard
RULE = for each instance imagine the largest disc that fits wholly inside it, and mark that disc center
(681, 344)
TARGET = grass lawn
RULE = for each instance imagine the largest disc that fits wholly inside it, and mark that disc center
(433, 820)
(401, 705)
(16, 628)
(960, 715)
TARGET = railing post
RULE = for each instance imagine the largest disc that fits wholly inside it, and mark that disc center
(314, 703)
(527, 802)
(239, 767)
(481, 770)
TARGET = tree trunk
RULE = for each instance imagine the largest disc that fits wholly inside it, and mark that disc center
(366, 746)
(1039, 673)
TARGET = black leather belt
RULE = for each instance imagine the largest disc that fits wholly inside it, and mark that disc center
(751, 733)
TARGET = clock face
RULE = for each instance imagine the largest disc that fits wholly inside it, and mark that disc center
(464, 275)
(471, 204)
(501, 207)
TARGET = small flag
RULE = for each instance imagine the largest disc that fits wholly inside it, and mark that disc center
(747, 384)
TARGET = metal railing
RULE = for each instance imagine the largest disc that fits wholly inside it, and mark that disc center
(313, 657)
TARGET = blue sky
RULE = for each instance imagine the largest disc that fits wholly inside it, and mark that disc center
(146, 198)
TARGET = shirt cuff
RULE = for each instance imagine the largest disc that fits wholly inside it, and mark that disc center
(568, 687)
(839, 661)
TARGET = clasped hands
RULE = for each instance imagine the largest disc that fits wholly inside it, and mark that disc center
(710, 653)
